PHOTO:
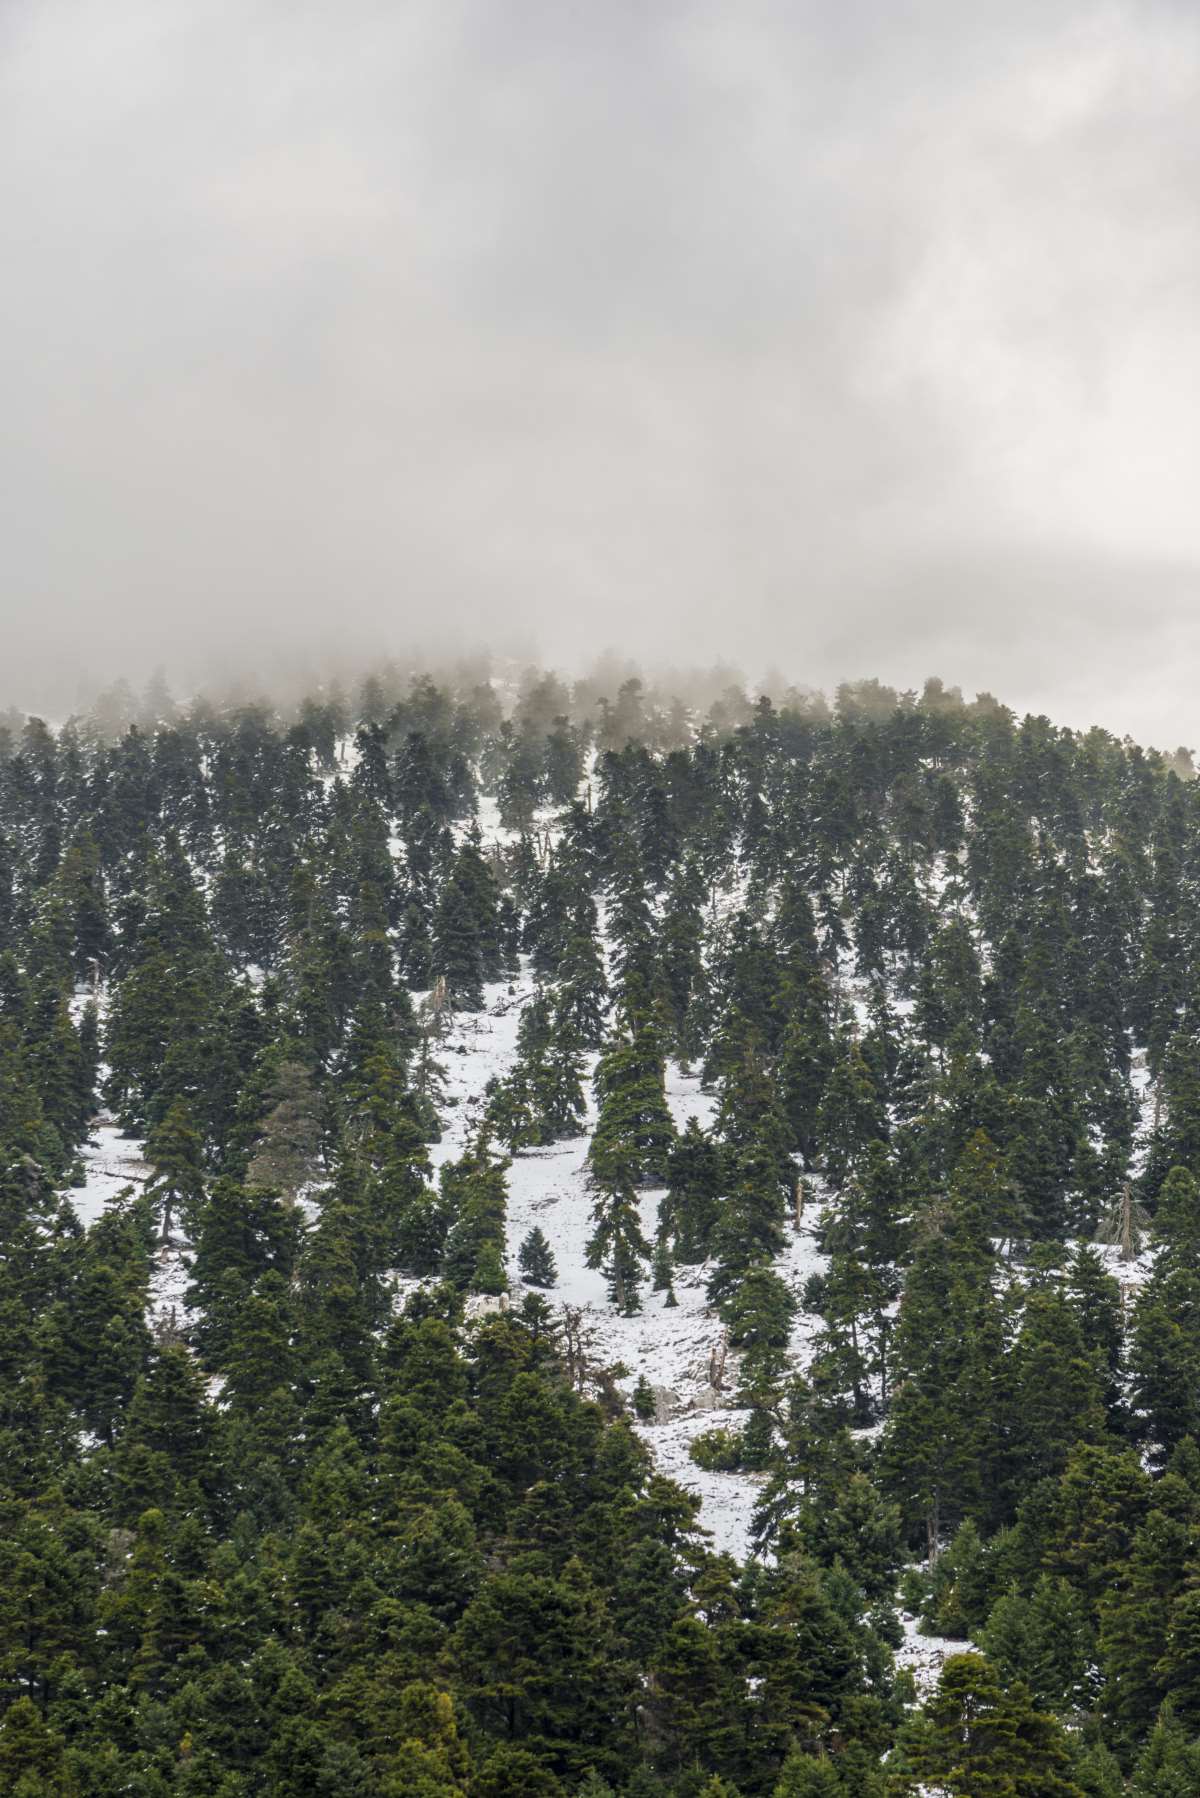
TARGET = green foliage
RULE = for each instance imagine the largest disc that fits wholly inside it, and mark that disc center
(541, 1100)
(535, 1258)
(716, 1451)
(644, 1403)
(633, 1132)
(974, 1737)
(476, 1195)
(286, 1537)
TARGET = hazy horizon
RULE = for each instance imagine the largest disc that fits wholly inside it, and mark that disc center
(842, 345)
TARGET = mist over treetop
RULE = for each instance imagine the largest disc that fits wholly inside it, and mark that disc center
(612, 704)
(784, 335)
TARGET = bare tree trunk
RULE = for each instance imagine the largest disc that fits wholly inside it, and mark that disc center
(573, 1340)
(716, 1363)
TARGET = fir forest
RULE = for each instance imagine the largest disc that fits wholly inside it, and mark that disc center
(566, 1242)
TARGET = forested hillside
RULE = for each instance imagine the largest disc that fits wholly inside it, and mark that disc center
(549, 1239)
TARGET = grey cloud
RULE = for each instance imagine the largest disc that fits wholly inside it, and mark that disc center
(853, 340)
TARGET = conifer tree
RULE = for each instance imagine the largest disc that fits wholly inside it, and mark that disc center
(807, 1776)
(941, 1442)
(634, 1132)
(1046, 1640)
(681, 939)
(617, 1243)
(1095, 1298)
(806, 1059)
(749, 1109)
(1177, 1216)
(173, 1150)
(243, 1234)
(536, 1260)
(476, 1193)
(541, 1099)
(691, 1206)
(280, 1117)
(866, 1240)
(849, 1118)
(749, 1230)
(1059, 1387)
(977, 1735)
(1181, 1089)
(1170, 1762)
(170, 1422)
(457, 952)
(644, 1404)
(256, 1357)
(631, 926)
(758, 1313)
(1164, 1357)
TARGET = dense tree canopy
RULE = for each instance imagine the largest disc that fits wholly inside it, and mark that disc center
(359, 1515)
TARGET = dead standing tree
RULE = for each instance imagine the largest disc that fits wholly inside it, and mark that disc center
(577, 1339)
(716, 1362)
(1123, 1224)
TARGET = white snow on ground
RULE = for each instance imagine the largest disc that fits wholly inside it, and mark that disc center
(670, 1346)
(1129, 1275)
(111, 1162)
(168, 1284)
(925, 1656)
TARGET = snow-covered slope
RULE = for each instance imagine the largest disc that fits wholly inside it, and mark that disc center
(671, 1347)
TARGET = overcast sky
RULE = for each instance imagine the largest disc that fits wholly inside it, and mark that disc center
(854, 339)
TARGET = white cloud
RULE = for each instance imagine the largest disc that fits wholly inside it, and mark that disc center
(836, 339)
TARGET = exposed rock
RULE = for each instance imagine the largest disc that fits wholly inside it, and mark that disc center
(667, 1405)
(484, 1304)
